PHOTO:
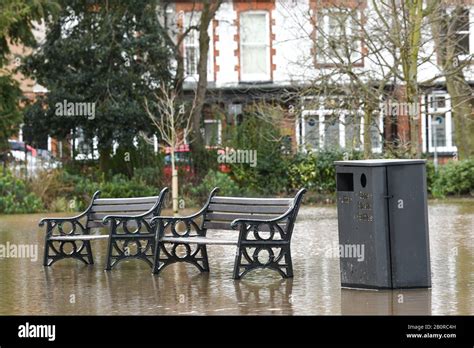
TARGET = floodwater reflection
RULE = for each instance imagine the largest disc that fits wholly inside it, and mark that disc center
(69, 287)
(386, 302)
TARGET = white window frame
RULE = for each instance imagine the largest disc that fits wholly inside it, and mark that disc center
(255, 77)
(219, 131)
(469, 32)
(321, 113)
(326, 58)
(186, 17)
(430, 111)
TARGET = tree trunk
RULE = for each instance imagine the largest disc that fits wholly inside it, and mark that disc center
(409, 54)
(367, 131)
(105, 149)
(174, 182)
(414, 121)
(462, 105)
(200, 156)
(462, 102)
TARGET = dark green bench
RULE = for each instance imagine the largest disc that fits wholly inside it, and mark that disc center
(264, 225)
(131, 234)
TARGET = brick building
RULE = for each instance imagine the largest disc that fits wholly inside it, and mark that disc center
(264, 50)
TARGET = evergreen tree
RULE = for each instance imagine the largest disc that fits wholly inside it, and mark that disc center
(17, 19)
(112, 54)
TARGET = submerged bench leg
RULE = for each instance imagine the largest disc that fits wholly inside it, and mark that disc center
(55, 250)
(166, 256)
(247, 259)
(120, 249)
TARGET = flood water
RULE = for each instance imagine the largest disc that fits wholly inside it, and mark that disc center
(70, 287)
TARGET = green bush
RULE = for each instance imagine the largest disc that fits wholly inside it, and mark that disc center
(120, 186)
(269, 175)
(214, 179)
(430, 176)
(315, 170)
(454, 178)
(16, 198)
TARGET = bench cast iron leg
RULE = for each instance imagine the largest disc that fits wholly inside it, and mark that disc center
(165, 257)
(54, 253)
(279, 260)
(118, 252)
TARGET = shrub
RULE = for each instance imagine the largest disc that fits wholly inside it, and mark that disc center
(214, 179)
(269, 175)
(316, 171)
(16, 198)
(454, 178)
(120, 186)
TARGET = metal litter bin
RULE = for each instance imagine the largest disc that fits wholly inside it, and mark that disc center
(383, 224)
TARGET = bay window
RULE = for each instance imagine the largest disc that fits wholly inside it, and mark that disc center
(326, 128)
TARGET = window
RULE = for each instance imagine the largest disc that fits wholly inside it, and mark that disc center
(439, 124)
(338, 40)
(191, 44)
(331, 131)
(335, 128)
(461, 29)
(254, 46)
(352, 131)
(311, 129)
(212, 132)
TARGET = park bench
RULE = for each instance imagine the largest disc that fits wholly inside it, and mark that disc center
(131, 234)
(264, 225)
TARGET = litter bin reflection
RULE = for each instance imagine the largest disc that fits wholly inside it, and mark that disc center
(386, 302)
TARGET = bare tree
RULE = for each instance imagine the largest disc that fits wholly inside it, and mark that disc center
(204, 11)
(174, 126)
(370, 53)
(208, 12)
(448, 18)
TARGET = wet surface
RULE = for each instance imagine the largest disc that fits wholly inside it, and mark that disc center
(69, 287)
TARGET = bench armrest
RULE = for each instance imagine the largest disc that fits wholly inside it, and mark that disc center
(119, 224)
(277, 233)
(56, 223)
(251, 229)
(58, 220)
(55, 226)
(192, 227)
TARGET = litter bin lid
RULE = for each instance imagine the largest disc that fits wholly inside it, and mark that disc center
(379, 162)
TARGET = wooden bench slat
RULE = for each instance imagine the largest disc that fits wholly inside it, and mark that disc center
(122, 207)
(252, 201)
(232, 216)
(114, 201)
(247, 208)
(80, 237)
(199, 240)
(226, 226)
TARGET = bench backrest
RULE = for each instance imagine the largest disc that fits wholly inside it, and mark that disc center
(221, 211)
(101, 207)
